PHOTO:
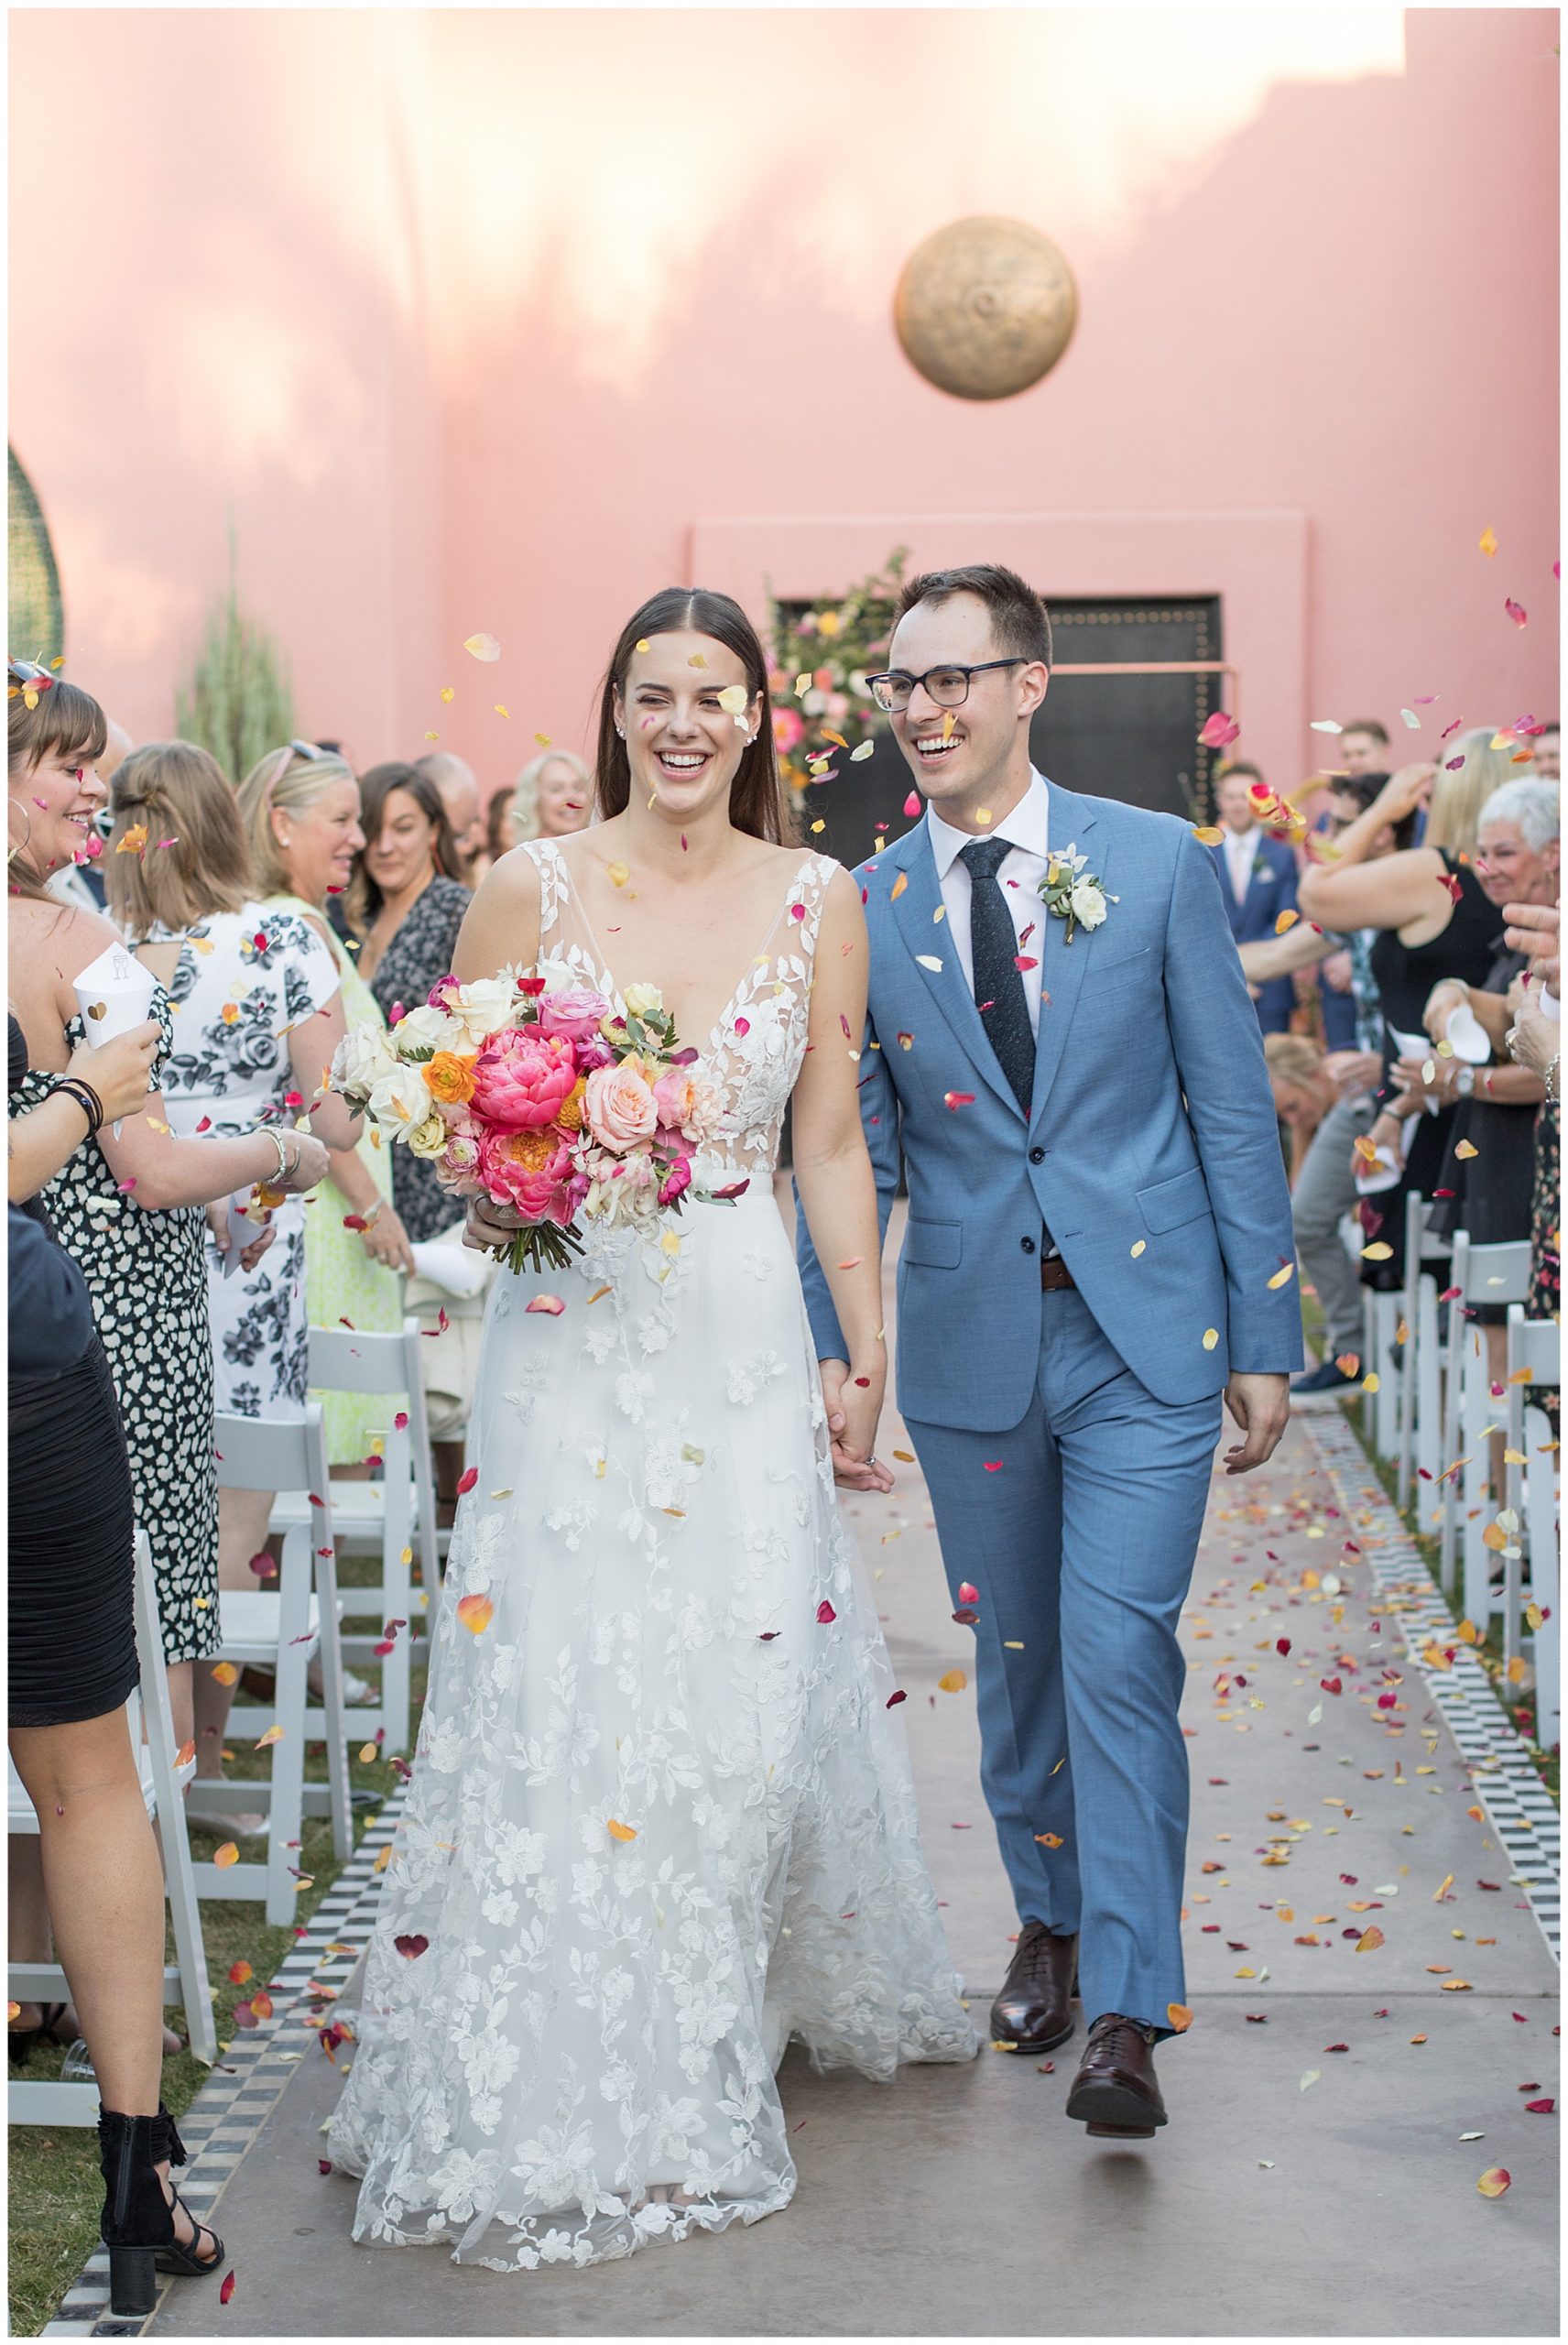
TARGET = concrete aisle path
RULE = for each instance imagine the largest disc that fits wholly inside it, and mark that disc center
(961, 2201)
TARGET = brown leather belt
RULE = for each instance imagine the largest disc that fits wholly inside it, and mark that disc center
(1054, 1275)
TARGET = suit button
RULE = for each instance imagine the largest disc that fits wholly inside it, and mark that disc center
(1028, 1245)
(1037, 1156)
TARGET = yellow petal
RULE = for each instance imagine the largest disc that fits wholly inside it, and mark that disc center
(1286, 919)
(1487, 542)
(1209, 835)
(952, 1682)
(1210, 1337)
(1283, 1277)
(448, 692)
(483, 647)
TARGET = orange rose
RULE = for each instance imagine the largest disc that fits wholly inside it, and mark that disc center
(449, 1078)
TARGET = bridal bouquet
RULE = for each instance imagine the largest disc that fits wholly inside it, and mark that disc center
(546, 1101)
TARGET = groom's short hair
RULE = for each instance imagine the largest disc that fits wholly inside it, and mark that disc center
(1019, 620)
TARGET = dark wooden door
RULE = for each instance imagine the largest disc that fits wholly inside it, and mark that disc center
(1128, 736)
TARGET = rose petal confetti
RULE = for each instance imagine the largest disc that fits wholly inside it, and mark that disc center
(550, 1305)
(475, 1612)
(483, 647)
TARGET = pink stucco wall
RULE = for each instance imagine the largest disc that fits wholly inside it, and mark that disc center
(500, 320)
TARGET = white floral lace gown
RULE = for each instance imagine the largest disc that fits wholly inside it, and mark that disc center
(662, 1818)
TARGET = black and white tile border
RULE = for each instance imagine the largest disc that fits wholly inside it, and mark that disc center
(1517, 1803)
(244, 2088)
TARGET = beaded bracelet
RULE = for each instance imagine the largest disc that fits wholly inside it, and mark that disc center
(86, 1098)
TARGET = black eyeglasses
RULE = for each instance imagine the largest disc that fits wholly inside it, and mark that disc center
(949, 687)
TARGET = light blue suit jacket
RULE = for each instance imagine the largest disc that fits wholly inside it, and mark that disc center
(1151, 1128)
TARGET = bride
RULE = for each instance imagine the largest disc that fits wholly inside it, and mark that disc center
(661, 1816)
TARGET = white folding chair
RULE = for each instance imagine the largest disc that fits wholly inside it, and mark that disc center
(1535, 1345)
(1381, 1417)
(1419, 1431)
(283, 1630)
(151, 1725)
(1489, 1274)
(395, 1517)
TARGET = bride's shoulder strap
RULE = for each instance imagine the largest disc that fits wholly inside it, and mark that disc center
(813, 878)
(555, 891)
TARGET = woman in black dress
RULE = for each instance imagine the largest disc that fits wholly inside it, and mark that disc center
(407, 911)
(1435, 920)
(73, 1667)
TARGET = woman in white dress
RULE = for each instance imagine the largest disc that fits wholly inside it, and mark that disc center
(661, 1817)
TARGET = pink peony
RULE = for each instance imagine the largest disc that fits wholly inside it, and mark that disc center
(574, 1012)
(530, 1170)
(522, 1078)
(787, 728)
(677, 1181)
(620, 1107)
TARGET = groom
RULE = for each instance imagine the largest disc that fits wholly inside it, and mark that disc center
(1061, 1047)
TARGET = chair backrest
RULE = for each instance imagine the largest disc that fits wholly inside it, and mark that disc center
(1493, 1273)
(347, 1359)
(271, 1452)
(1535, 1344)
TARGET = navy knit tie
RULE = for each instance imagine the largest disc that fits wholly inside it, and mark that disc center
(998, 981)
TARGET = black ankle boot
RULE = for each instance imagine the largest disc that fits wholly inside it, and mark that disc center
(138, 2220)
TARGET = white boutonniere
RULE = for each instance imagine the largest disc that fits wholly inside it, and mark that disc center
(1071, 893)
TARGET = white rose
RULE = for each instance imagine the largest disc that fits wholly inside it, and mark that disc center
(431, 1029)
(480, 1009)
(1088, 904)
(400, 1102)
(643, 1001)
(429, 1138)
(361, 1060)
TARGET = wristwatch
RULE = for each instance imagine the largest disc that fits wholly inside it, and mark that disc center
(1464, 1081)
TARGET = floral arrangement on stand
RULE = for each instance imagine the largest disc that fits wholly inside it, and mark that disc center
(549, 1103)
(821, 659)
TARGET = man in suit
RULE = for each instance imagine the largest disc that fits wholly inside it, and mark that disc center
(1097, 1211)
(1258, 875)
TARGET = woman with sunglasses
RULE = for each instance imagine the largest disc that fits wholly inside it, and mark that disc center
(299, 804)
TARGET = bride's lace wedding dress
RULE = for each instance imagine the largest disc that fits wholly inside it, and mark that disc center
(662, 1818)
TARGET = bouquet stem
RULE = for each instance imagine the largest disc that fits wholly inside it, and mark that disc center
(545, 1245)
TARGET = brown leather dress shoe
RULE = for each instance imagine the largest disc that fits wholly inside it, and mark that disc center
(1115, 2092)
(1034, 2010)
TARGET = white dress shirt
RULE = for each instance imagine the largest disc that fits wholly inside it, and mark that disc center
(1240, 853)
(1020, 876)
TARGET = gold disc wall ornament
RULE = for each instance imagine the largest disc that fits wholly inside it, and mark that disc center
(984, 308)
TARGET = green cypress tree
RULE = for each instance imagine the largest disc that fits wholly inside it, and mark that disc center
(238, 703)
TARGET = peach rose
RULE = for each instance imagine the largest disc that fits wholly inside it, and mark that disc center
(620, 1107)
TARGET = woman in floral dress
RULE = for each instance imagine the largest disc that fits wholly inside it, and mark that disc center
(255, 1014)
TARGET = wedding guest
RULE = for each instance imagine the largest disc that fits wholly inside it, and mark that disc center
(1490, 1164)
(458, 784)
(1325, 1190)
(302, 815)
(1433, 919)
(407, 911)
(1258, 880)
(1306, 1091)
(127, 1205)
(1363, 748)
(1547, 764)
(551, 798)
(500, 837)
(69, 1560)
(257, 1014)
(1535, 1041)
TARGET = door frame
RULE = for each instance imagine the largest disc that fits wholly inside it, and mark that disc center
(1254, 562)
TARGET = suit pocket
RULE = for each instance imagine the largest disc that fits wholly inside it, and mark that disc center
(1171, 1203)
(936, 1245)
(1104, 978)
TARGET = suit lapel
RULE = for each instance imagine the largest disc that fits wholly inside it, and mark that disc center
(1061, 965)
(915, 907)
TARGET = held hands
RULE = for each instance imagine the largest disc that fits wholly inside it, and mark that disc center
(1355, 1071)
(1261, 1407)
(251, 1253)
(386, 1241)
(853, 1410)
(490, 1228)
(120, 1070)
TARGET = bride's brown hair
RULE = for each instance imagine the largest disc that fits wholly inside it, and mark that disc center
(757, 805)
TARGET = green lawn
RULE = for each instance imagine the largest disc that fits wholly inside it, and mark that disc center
(56, 2193)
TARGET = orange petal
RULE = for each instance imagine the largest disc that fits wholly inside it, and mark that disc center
(1179, 2017)
(620, 1831)
(227, 1856)
(953, 1681)
(475, 1612)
